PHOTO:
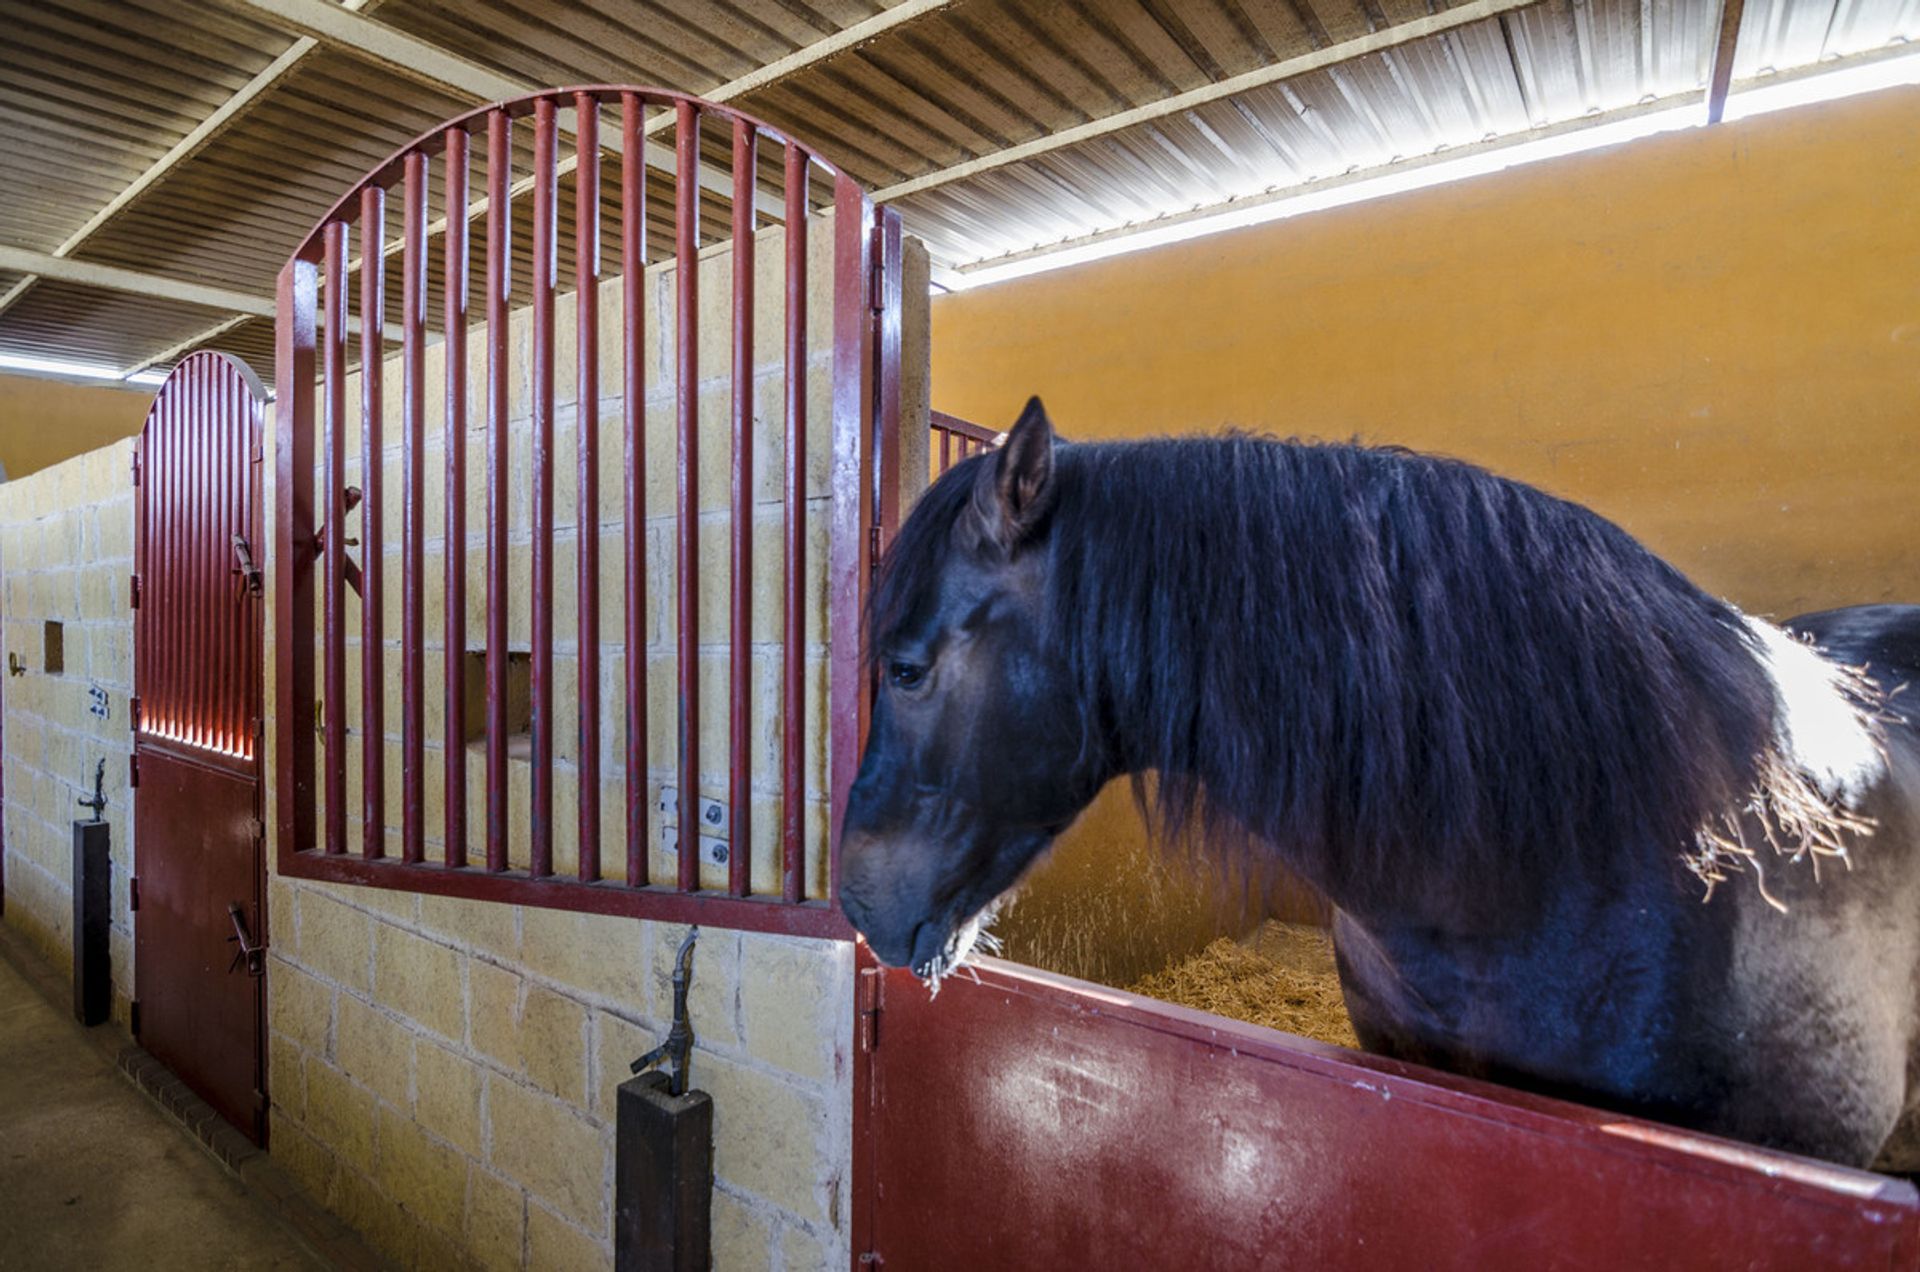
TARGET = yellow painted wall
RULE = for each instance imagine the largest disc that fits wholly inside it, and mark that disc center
(1712, 337)
(45, 421)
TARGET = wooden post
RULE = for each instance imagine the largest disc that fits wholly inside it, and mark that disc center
(663, 1178)
(92, 912)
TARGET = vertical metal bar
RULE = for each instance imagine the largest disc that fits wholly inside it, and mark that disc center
(194, 588)
(849, 543)
(148, 683)
(746, 171)
(586, 273)
(333, 636)
(143, 610)
(687, 339)
(191, 590)
(887, 340)
(499, 284)
(946, 449)
(293, 677)
(545, 249)
(234, 598)
(454, 305)
(171, 644)
(373, 681)
(175, 597)
(793, 777)
(633, 265)
(413, 351)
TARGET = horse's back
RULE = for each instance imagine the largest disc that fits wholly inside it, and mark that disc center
(1883, 638)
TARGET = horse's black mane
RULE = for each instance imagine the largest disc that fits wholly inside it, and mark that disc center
(1360, 653)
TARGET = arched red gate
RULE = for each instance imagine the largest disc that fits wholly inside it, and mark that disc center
(199, 881)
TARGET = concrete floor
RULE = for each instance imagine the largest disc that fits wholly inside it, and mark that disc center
(93, 1176)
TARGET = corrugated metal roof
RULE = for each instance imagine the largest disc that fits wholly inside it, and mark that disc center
(95, 92)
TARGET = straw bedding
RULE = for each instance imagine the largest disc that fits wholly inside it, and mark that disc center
(1282, 977)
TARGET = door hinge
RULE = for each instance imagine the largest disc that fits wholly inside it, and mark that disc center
(877, 300)
(872, 1259)
(133, 893)
(133, 770)
(257, 829)
(133, 591)
(869, 1008)
(136, 468)
(133, 714)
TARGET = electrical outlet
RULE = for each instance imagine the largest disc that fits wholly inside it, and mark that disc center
(713, 813)
(713, 850)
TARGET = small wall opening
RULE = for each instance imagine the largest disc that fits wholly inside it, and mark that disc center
(473, 687)
(53, 648)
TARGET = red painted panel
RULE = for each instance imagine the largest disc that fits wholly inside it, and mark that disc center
(1027, 1120)
(199, 1015)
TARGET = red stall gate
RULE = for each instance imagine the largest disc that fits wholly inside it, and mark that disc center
(1028, 1120)
(312, 362)
(198, 891)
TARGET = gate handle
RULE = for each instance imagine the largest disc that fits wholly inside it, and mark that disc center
(248, 953)
(249, 572)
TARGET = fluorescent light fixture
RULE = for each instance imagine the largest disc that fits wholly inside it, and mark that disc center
(1763, 97)
(1679, 113)
(79, 370)
(53, 366)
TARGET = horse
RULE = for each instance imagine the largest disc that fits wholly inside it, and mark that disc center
(1585, 829)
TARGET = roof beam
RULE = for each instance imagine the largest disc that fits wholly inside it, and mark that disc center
(852, 37)
(185, 347)
(1288, 68)
(429, 64)
(112, 278)
(209, 128)
(1721, 77)
(404, 55)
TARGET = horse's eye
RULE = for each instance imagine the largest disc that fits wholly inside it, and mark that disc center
(905, 675)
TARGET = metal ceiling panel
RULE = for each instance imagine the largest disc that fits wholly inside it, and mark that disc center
(92, 92)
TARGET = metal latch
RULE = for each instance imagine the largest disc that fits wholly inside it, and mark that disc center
(249, 954)
(243, 565)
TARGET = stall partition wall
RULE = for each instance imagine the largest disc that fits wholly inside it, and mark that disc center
(539, 600)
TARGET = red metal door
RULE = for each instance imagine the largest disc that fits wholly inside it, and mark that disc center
(1028, 1120)
(199, 881)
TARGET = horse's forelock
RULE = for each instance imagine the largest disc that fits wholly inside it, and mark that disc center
(913, 561)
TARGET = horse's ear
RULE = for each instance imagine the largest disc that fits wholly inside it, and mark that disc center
(1016, 490)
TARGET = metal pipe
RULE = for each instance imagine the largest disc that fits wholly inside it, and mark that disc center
(333, 552)
(454, 306)
(586, 273)
(746, 171)
(499, 284)
(687, 338)
(633, 265)
(540, 601)
(373, 681)
(793, 706)
(413, 349)
(852, 515)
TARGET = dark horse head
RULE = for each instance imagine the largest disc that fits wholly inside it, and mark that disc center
(978, 754)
